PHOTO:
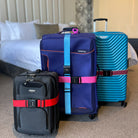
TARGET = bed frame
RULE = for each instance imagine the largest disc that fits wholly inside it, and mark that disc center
(10, 70)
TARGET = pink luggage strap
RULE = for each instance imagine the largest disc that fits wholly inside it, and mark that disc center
(77, 80)
(110, 73)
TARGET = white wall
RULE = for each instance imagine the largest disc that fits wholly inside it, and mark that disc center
(54, 11)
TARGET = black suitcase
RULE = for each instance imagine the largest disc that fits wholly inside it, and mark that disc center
(35, 103)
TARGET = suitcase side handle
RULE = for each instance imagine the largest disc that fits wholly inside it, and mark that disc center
(99, 19)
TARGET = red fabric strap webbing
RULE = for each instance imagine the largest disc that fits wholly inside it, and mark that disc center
(40, 103)
(117, 72)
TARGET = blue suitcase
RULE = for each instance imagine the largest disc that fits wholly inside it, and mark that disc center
(73, 57)
(112, 63)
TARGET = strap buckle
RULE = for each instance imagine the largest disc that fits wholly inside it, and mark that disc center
(67, 90)
(66, 69)
(75, 80)
(32, 103)
(107, 73)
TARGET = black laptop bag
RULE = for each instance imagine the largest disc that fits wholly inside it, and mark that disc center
(35, 103)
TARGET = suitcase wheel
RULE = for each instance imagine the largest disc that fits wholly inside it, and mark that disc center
(92, 116)
(101, 103)
(57, 125)
(124, 104)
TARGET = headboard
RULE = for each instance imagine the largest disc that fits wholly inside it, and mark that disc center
(53, 11)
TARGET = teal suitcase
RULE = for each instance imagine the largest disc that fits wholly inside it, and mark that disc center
(112, 65)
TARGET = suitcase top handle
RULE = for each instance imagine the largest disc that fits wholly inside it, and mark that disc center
(74, 30)
(99, 19)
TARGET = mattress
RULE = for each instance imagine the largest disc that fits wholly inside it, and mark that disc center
(21, 53)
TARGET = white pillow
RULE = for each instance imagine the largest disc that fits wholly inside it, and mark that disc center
(25, 30)
(4, 31)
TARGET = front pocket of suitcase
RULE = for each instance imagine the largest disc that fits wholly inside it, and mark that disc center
(83, 98)
(81, 63)
(33, 90)
(33, 121)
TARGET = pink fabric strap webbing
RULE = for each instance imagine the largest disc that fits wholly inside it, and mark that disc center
(77, 80)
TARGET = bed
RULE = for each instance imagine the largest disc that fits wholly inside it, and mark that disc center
(20, 46)
(17, 56)
(22, 53)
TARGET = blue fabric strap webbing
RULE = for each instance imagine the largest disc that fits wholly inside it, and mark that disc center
(67, 86)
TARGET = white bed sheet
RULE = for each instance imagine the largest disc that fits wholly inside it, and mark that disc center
(22, 53)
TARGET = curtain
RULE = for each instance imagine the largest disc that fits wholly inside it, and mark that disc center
(84, 15)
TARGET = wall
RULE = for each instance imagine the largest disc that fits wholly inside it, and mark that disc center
(54, 11)
(122, 15)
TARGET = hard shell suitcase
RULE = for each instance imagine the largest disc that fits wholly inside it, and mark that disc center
(73, 57)
(35, 103)
(112, 62)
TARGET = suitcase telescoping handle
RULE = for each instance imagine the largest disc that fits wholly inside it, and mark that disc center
(99, 19)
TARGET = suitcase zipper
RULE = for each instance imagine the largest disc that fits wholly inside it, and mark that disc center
(19, 118)
(72, 36)
(42, 50)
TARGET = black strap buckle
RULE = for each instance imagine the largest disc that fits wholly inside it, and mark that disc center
(32, 103)
(66, 69)
(107, 73)
(67, 89)
(76, 80)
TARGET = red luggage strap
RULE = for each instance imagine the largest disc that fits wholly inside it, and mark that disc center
(110, 73)
(36, 103)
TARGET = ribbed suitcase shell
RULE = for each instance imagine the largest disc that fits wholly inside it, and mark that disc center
(111, 55)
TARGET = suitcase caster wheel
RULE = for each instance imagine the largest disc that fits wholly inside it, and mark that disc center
(124, 104)
(92, 116)
(57, 126)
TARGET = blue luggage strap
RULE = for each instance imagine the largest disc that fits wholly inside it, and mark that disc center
(67, 86)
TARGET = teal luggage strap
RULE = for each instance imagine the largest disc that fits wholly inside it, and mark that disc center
(67, 86)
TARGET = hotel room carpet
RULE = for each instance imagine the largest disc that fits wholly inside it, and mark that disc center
(113, 121)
